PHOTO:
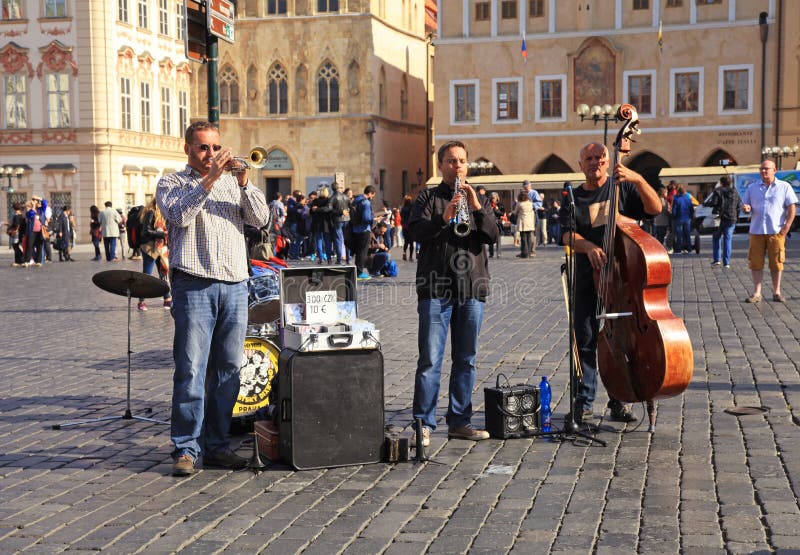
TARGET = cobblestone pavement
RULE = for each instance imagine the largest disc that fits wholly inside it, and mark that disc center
(705, 482)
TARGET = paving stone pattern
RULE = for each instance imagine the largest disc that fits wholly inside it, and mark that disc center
(705, 482)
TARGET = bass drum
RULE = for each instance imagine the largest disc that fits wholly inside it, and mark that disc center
(259, 368)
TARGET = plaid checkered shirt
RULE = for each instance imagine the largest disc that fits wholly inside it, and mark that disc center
(206, 228)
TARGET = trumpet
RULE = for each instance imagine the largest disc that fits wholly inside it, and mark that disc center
(255, 159)
(460, 221)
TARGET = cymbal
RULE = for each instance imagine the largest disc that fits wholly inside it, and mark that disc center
(120, 282)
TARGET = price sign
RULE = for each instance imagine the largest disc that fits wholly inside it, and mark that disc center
(321, 307)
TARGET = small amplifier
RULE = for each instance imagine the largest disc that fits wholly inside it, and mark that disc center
(511, 411)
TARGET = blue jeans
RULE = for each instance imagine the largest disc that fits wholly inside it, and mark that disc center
(586, 329)
(210, 327)
(723, 237)
(683, 240)
(110, 244)
(294, 247)
(324, 245)
(379, 260)
(660, 233)
(435, 317)
(338, 242)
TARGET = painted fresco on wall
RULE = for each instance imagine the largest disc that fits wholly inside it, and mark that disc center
(595, 69)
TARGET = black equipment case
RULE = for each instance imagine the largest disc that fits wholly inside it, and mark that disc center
(331, 407)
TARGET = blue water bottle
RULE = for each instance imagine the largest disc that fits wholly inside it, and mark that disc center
(544, 405)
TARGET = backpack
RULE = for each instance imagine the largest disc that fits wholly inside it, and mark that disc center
(135, 227)
(356, 213)
(728, 205)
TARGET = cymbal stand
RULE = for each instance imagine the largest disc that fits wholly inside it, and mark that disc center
(128, 415)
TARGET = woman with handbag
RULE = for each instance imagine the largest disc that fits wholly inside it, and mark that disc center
(154, 248)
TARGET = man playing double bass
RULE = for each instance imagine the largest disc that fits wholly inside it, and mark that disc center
(592, 207)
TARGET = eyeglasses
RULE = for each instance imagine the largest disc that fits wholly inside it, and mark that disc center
(205, 148)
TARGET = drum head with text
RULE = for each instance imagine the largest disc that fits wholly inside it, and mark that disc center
(259, 366)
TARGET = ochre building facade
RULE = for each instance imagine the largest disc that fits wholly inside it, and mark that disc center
(692, 68)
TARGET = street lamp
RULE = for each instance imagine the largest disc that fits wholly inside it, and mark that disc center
(9, 172)
(778, 153)
(481, 167)
(604, 113)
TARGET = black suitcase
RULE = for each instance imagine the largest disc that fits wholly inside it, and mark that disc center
(331, 408)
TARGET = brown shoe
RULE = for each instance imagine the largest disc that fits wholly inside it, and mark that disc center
(754, 299)
(183, 466)
(778, 298)
(467, 432)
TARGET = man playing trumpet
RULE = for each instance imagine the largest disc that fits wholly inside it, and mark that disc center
(206, 210)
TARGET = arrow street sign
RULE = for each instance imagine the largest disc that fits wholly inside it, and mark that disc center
(220, 19)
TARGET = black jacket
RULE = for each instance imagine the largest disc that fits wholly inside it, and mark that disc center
(726, 203)
(449, 266)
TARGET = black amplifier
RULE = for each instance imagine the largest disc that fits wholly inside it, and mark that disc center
(512, 411)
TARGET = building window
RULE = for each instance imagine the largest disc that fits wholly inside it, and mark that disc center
(686, 97)
(482, 11)
(508, 9)
(463, 102)
(228, 91)
(144, 102)
(736, 88)
(57, 99)
(641, 4)
(536, 8)
(640, 93)
(143, 14)
(674, 3)
(10, 9)
(382, 92)
(328, 88)
(15, 101)
(404, 99)
(55, 8)
(122, 10)
(163, 17)
(506, 100)
(551, 98)
(704, 2)
(276, 7)
(180, 24)
(183, 111)
(166, 112)
(278, 90)
(327, 6)
(125, 94)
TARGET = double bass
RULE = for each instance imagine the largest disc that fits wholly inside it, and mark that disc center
(643, 350)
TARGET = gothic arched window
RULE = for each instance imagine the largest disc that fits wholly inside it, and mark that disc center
(328, 88)
(278, 90)
(228, 91)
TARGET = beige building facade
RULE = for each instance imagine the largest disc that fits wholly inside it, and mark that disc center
(692, 68)
(95, 98)
(328, 88)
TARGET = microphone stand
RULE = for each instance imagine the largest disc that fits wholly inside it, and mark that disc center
(571, 429)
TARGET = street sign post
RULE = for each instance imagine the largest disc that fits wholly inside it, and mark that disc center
(220, 19)
(194, 34)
